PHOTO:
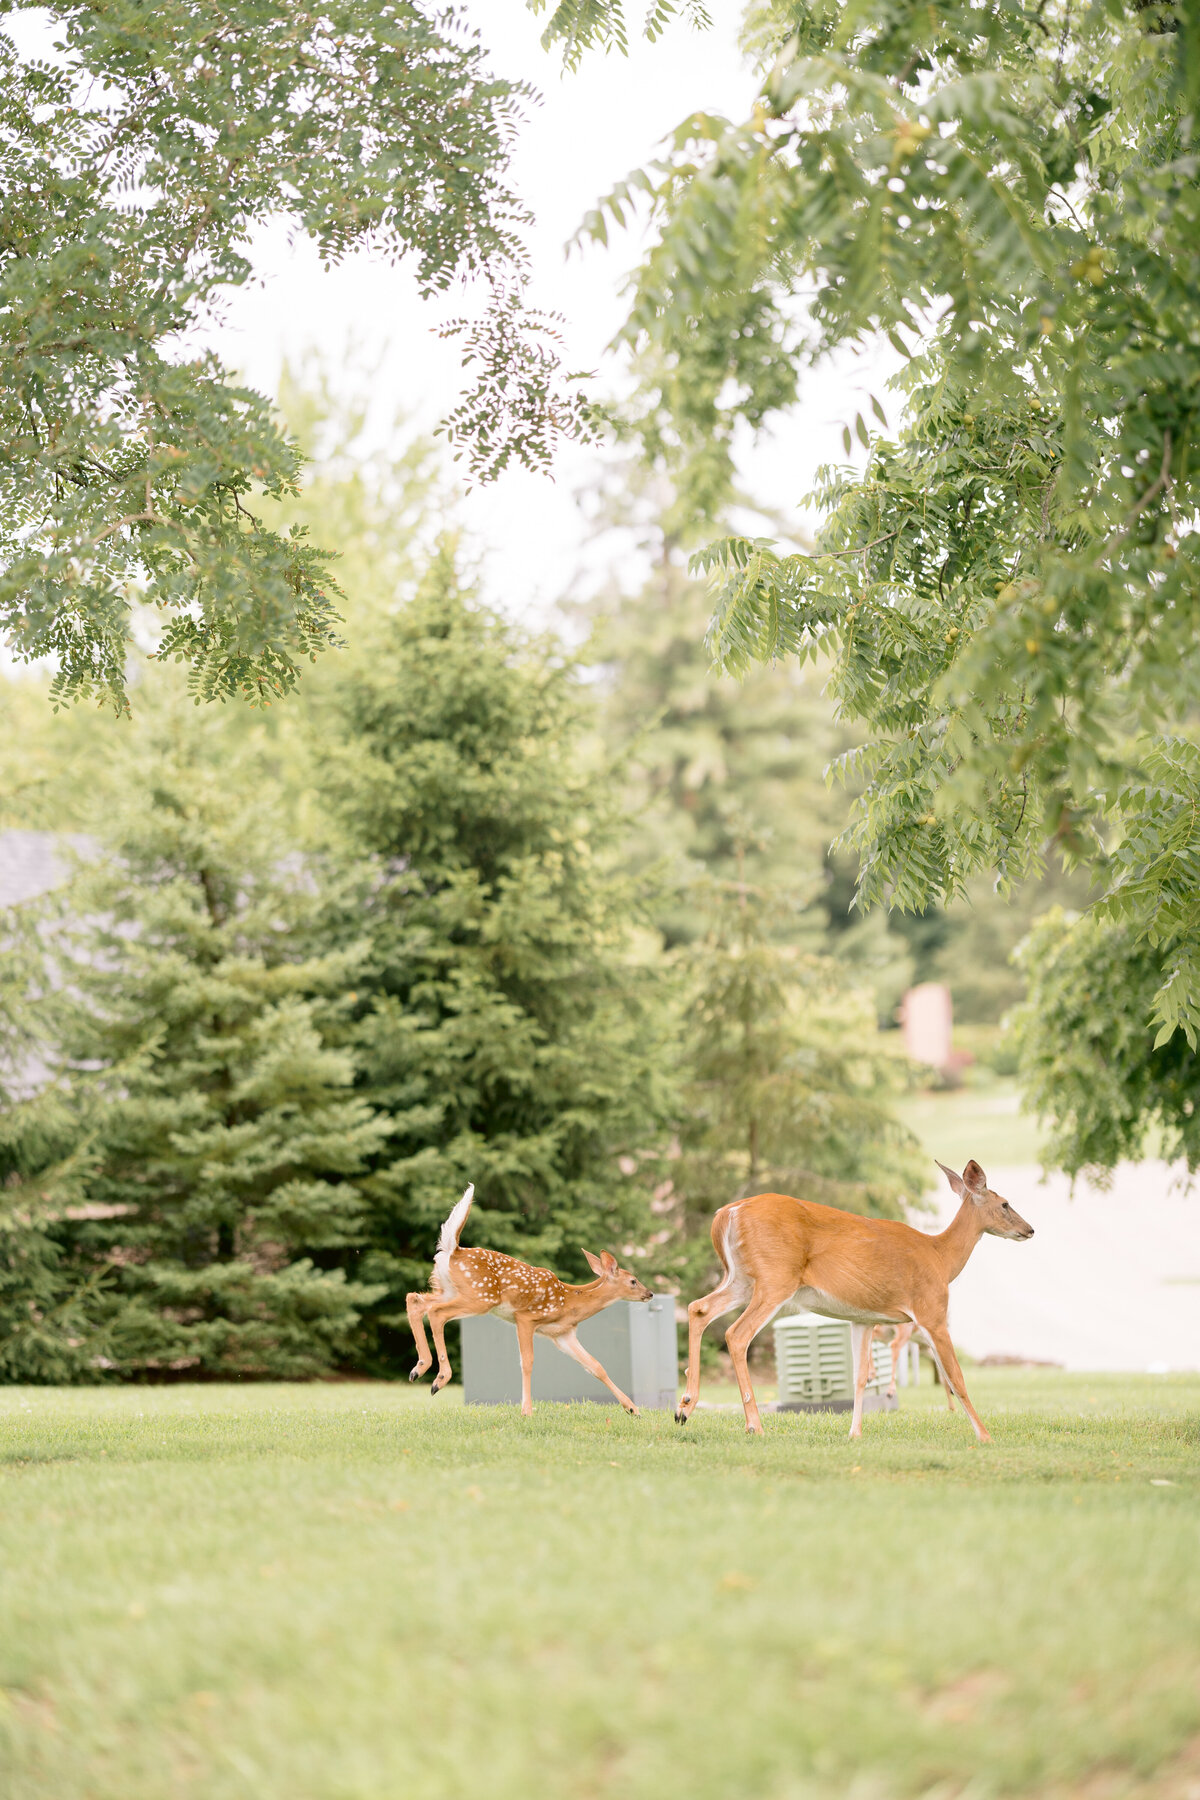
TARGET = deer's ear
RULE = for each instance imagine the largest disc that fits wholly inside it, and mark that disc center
(975, 1179)
(593, 1263)
(955, 1180)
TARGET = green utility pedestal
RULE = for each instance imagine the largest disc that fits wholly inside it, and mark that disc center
(815, 1360)
(634, 1340)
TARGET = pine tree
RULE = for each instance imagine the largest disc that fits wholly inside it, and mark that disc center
(49, 1311)
(787, 1083)
(502, 1021)
(223, 1196)
(726, 776)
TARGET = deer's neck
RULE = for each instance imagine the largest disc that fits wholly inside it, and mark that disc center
(959, 1239)
(582, 1302)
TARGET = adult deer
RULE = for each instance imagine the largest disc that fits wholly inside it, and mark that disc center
(871, 1271)
(468, 1282)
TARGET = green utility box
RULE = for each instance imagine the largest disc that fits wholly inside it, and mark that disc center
(635, 1340)
(815, 1361)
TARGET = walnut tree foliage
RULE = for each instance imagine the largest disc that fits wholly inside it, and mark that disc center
(1009, 590)
(138, 153)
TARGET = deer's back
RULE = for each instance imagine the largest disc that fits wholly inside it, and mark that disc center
(823, 1248)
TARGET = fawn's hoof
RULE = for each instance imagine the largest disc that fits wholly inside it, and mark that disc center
(633, 1412)
(681, 1418)
(416, 1374)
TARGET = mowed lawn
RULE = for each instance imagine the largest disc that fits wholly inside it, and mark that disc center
(352, 1592)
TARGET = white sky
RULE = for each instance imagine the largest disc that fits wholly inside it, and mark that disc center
(592, 129)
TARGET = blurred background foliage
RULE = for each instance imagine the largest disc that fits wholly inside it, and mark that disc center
(472, 905)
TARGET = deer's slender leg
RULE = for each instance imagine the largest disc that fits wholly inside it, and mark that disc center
(569, 1343)
(439, 1313)
(525, 1341)
(900, 1339)
(701, 1314)
(416, 1306)
(939, 1374)
(952, 1375)
(862, 1376)
(738, 1339)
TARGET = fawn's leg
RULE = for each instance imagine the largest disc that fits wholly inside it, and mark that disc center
(525, 1341)
(701, 1314)
(571, 1344)
(862, 1375)
(738, 1339)
(439, 1314)
(952, 1375)
(416, 1306)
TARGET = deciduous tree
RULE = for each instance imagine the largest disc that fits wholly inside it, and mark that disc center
(142, 146)
(1008, 590)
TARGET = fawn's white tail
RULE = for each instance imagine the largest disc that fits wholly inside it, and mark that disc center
(451, 1231)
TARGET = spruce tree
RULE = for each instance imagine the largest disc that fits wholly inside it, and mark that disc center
(503, 1022)
(49, 1310)
(228, 1138)
(786, 1083)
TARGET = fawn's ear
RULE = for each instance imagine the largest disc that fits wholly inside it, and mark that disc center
(609, 1262)
(974, 1178)
(594, 1263)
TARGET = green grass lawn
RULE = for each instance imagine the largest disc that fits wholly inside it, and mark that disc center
(352, 1592)
(983, 1120)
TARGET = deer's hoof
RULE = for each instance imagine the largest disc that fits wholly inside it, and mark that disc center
(633, 1412)
(681, 1418)
(416, 1374)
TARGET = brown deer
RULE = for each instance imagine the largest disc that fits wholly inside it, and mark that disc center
(871, 1271)
(468, 1282)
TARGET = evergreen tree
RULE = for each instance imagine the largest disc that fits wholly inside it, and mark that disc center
(49, 1311)
(503, 1023)
(728, 776)
(227, 1138)
(723, 774)
(786, 1082)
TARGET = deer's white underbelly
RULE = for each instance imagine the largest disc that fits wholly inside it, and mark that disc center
(830, 1308)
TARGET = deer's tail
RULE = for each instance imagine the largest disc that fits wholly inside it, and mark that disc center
(451, 1231)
